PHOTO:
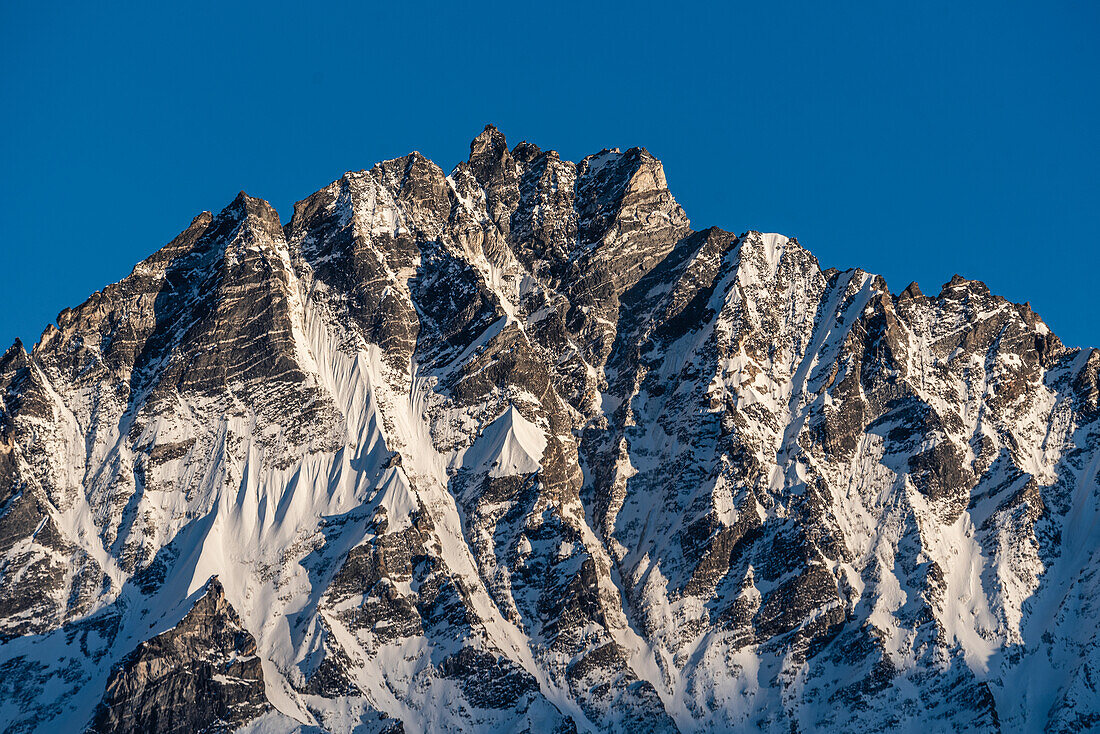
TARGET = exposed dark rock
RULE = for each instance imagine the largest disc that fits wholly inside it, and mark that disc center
(202, 675)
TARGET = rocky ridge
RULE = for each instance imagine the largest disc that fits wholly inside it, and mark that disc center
(517, 449)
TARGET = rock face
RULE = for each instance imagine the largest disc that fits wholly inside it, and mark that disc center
(516, 449)
(201, 675)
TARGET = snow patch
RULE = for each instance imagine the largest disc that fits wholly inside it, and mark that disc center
(509, 446)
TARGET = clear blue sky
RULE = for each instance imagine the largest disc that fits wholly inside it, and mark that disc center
(914, 140)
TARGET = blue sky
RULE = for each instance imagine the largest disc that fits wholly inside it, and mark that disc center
(914, 140)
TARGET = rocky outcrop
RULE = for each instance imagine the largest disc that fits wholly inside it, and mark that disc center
(201, 675)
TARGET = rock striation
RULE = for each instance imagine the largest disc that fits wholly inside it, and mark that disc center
(201, 675)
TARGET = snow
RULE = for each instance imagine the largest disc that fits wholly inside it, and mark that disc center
(509, 446)
(774, 244)
(601, 159)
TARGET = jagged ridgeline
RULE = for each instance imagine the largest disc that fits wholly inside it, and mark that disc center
(516, 449)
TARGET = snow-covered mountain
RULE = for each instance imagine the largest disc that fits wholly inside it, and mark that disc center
(517, 449)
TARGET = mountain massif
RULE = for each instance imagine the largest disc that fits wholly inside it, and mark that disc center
(516, 449)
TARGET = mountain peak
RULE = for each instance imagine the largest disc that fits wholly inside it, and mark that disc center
(911, 291)
(489, 142)
(244, 205)
(520, 441)
(959, 284)
(249, 213)
(15, 348)
(489, 155)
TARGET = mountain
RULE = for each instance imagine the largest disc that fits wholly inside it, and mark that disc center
(517, 449)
